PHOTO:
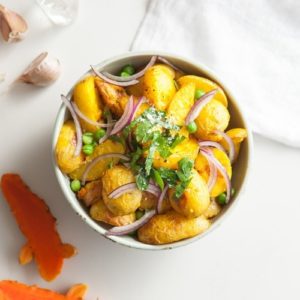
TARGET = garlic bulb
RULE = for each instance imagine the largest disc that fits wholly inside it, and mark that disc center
(12, 25)
(42, 71)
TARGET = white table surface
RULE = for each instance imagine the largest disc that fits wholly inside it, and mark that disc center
(255, 254)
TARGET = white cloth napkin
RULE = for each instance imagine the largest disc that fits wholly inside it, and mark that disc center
(253, 45)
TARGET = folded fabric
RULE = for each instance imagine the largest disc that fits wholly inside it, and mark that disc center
(254, 47)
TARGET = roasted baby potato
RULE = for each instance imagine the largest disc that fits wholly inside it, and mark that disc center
(149, 201)
(159, 86)
(188, 148)
(171, 227)
(97, 171)
(213, 116)
(65, 148)
(205, 85)
(136, 89)
(91, 192)
(128, 202)
(100, 212)
(195, 199)
(87, 99)
(181, 104)
(213, 209)
(202, 166)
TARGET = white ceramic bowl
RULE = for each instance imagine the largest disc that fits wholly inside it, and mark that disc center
(240, 169)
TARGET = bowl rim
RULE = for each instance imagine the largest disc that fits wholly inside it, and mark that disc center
(96, 226)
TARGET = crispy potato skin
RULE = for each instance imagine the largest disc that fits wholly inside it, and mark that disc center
(95, 173)
(91, 192)
(149, 201)
(87, 99)
(195, 199)
(65, 148)
(159, 86)
(171, 227)
(181, 104)
(213, 116)
(213, 209)
(202, 166)
(187, 148)
(100, 212)
(205, 85)
(128, 202)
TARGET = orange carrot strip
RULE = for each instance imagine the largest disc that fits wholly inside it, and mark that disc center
(13, 290)
(77, 291)
(25, 255)
(37, 224)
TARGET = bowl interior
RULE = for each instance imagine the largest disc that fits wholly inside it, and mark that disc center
(240, 168)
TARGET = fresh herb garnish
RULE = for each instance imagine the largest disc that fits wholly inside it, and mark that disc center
(119, 139)
(155, 175)
(142, 180)
(184, 172)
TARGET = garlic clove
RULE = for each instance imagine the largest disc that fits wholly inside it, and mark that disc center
(12, 25)
(42, 71)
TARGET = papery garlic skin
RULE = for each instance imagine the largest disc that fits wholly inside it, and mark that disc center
(42, 71)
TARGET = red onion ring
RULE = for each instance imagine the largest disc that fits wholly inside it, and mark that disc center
(123, 230)
(97, 159)
(211, 144)
(167, 62)
(68, 104)
(108, 130)
(136, 108)
(86, 119)
(230, 143)
(213, 175)
(134, 76)
(161, 199)
(153, 189)
(209, 156)
(123, 121)
(119, 83)
(119, 191)
(198, 106)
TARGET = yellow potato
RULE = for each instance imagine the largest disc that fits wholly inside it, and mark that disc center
(97, 171)
(181, 104)
(159, 86)
(213, 116)
(213, 209)
(149, 201)
(205, 85)
(99, 212)
(87, 99)
(188, 148)
(237, 135)
(91, 192)
(195, 199)
(126, 203)
(171, 227)
(202, 166)
(65, 148)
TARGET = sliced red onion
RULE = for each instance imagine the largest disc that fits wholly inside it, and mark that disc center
(86, 119)
(198, 106)
(129, 142)
(213, 175)
(211, 144)
(123, 121)
(136, 108)
(209, 156)
(164, 60)
(108, 130)
(230, 143)
(77, 124)
(161, 199)
(97, 159)
(119, 83)
(128, 187)
(123, 230)
(134, 76)
(153, 189)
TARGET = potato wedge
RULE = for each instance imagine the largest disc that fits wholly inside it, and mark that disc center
(87, 99)
(181, 104)
(206, 85)
(128, 202)
(213, 209)
(98, 170)
(100, 212)
(65, 148)
(195, 199)
(91, 192)
(171, 227)
(149, 201)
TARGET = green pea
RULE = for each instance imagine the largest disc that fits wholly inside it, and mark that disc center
(124, 74)
(199, 93)
(129, 69)
(139, 214)
(192, 127)
(75, 185)
(88, 149)
(88, 138)
(221, 199)
(100, 133)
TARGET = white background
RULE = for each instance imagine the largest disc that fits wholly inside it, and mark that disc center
(253, 255)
